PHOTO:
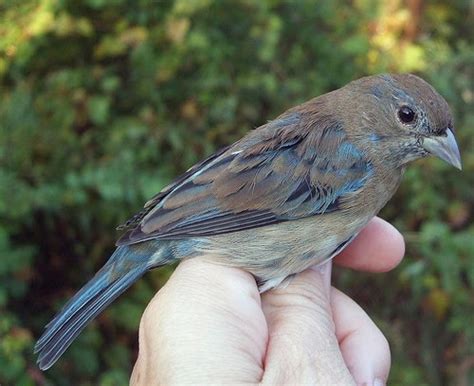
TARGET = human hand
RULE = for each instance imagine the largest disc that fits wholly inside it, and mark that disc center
(209, 324)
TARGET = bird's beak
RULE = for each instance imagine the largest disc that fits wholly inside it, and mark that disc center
(444, 147)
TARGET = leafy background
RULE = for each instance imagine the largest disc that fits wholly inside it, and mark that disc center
(104, 101)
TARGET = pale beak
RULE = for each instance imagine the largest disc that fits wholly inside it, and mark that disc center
(444, 147)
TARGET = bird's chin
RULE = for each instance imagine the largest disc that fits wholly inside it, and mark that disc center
(412, 151)
(413, 156)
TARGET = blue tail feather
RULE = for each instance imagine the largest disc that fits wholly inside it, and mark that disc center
(124, 267)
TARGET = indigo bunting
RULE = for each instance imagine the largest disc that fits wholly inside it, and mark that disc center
(290, 194)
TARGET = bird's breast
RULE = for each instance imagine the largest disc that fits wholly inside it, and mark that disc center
(280, 250)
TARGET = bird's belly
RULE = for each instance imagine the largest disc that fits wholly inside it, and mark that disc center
(280, 250)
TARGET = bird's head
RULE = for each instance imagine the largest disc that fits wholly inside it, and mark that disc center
(406, 116)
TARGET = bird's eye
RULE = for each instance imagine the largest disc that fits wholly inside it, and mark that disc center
(406, 115)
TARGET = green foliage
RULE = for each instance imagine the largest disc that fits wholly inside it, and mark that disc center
(103, 102)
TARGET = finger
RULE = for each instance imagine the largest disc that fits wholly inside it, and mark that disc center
(365, 349)
(204, 326)
(302, 344)
(379, 247)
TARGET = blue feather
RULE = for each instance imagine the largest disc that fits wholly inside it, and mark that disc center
(125, 266)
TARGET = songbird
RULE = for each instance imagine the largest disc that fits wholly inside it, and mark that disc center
(290, 194)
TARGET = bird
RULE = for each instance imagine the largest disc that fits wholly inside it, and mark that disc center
(288, 195)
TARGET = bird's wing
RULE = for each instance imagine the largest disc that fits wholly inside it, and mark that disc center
(279, 172)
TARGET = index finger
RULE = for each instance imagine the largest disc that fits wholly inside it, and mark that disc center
(379, 247)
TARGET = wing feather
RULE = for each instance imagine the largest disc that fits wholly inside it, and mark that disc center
(280, 172)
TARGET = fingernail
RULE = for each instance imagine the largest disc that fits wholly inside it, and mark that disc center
(378, 382)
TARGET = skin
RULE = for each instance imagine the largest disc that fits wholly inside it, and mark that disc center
(306, 332)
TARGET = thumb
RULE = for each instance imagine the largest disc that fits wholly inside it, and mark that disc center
(302, 346)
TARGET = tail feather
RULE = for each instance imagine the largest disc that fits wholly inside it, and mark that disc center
(59, 337)
(90, 290)
(125, 266)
